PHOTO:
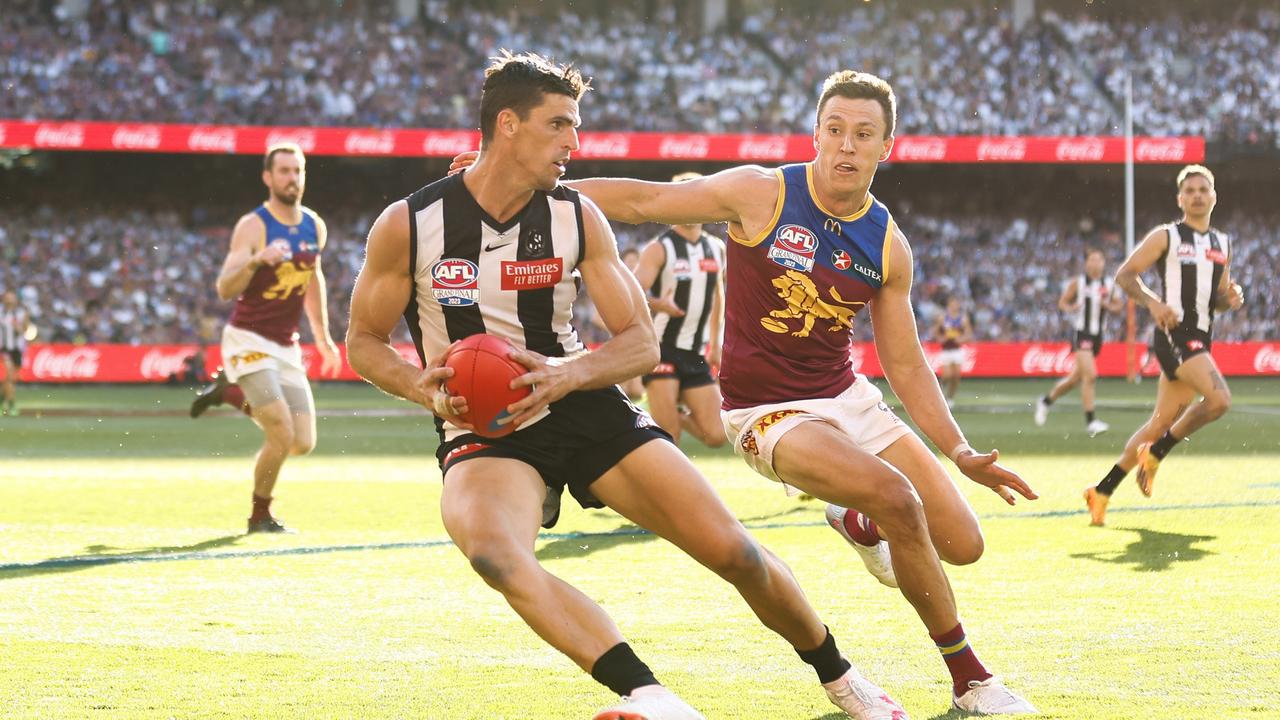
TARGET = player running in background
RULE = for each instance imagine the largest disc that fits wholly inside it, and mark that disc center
(272, 270)
(14, 321)
(1088, 297)
(952, 329)
(1193, 262)
(810, 247)
(681, 270)
(576, 429)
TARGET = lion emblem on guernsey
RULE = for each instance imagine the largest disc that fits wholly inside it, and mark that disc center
(804, 302)
(289, 277)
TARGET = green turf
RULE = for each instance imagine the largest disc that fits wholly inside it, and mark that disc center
(127, 590)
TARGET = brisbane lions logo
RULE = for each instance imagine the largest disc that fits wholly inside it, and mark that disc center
(804, 302)
(289, 277)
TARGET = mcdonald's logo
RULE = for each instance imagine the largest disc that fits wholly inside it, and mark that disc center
(831, 225)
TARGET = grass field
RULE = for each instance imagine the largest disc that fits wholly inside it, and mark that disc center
(128, 591)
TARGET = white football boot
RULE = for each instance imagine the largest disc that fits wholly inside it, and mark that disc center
(862, 699)
(875, 557)
(1096, 428)
(1042, 411)
(651, 702)
(991, 697)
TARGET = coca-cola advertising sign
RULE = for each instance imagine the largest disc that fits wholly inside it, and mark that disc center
(364, 143)
(1160, 150)
(305, 139)
(448, 144)
(764, 147)
(155, 137)
(212, 139)
(922, 149)
(605, 146)
(154, 363)
(65, 135)
(66, 364)
(1002, 150)
(161, 361)
(1266, 361)
(136, 137)
(684, 147)
(1081, 150)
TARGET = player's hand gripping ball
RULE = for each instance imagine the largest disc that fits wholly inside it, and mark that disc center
(482, 373)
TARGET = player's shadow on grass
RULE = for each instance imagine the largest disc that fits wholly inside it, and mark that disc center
(100, 555)
(1154, 550)
(581, 545)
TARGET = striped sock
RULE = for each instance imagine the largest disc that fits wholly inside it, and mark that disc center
(961, 660)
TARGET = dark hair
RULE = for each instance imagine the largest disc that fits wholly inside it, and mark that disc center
(286, 147)
(862, 86)
(518, 82)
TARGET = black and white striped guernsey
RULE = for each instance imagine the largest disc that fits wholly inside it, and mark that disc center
(472, 274)
(13, 329)
(1191, 269)
(1092, 296)
(693, 269)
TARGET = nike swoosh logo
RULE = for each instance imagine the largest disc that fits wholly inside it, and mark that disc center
(491, 248)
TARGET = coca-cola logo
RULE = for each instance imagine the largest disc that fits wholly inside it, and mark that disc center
(920, 149)
(1267, 360)
(218, 139)
(358, 143)
(684, 146)
(305, 139)
(1, 134)
(136, 137)
(768, 147)
(1002, 150)
(73, 364)
(158, 364)
(1047, 361)
(606, 145)
(67, 135)
(448, 144)
(1088, 150)
(1160, 150)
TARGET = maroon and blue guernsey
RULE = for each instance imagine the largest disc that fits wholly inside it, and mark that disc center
(791, 293)
(272, 304)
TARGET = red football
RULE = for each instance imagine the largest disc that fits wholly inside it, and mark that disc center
(482, 373)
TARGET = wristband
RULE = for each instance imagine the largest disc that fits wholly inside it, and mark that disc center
(959, 450)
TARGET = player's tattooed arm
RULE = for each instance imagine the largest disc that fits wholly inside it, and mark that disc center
(1129, 277)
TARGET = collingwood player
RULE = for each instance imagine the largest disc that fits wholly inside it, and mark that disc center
(682, 269)
(1193, 263)
(447, 258)
(14, 322)
(1088, 297)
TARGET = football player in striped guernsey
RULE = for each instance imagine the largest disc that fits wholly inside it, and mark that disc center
(1192, 261)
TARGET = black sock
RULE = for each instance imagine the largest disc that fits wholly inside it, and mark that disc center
(1112, 480)
(1088, 416)
(1161, 447)
(1046, 399)
(621, 671)
(826, 660)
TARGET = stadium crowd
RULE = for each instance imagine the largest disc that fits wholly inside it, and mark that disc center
(106, 275)
(323, 63)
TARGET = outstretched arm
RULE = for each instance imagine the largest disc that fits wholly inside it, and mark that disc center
(914, 382)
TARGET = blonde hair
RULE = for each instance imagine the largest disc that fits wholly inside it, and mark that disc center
(1190, 170)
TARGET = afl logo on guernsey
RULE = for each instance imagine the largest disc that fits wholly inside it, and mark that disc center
(794, 247)
(455, 283)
